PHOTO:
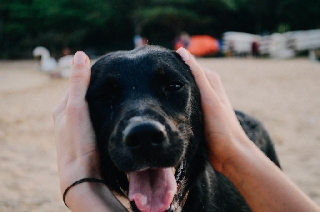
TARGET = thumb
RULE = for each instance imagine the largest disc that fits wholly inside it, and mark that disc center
(79, 78)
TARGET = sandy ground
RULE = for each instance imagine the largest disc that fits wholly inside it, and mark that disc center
(284, 95)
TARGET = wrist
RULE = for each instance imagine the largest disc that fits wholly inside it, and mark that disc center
(239, 154)
(83, 167)
(92, 196)
(84, 180)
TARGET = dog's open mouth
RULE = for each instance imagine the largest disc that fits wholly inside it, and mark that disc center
(152, 189)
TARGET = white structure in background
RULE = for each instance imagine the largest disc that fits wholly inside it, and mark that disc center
(287, 45)
(280, 46)
(49, 64)
(304, 40)
(239, 43)
(264, 45)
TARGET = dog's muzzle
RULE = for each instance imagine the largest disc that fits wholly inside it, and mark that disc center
(153, 183)
(141, 136)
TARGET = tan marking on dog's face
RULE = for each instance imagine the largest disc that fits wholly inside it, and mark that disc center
(161, 71)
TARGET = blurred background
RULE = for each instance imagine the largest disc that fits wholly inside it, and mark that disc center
(267, 53)
(100, 26)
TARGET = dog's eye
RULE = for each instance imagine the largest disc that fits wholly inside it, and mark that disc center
(174, 86)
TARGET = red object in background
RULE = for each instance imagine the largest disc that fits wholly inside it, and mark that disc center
(201, 45)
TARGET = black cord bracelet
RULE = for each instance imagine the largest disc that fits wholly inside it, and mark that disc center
(94, 180)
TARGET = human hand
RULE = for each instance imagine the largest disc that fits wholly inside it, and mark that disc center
(76, 149)
(260, 181)
(77, 153)
(222, 129)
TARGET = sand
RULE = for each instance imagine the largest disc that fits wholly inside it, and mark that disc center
(284, 95)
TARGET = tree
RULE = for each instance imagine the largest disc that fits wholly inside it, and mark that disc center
(54, 23)
(299, 15)
(161, 20)
(111, 24)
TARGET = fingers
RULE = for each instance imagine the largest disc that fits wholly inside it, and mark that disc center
(208, 81)
(79, 78)
(197, 71)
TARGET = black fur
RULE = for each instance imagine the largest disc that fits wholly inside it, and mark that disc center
(155, 85)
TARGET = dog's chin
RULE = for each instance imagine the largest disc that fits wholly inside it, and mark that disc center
(156, 189)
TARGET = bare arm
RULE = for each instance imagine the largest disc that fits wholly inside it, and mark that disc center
(77, 155)
(261, 183)
(264, 186)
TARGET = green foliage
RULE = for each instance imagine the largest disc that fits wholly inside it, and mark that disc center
(52, 23)
(170, 16)
(299, 15)
(111, 24)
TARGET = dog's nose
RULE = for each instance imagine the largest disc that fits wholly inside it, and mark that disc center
(144, 135)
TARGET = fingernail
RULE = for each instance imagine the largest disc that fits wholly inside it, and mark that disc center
(79, 58)
(183, 53)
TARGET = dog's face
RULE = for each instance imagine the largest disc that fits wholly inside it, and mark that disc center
(146, 113)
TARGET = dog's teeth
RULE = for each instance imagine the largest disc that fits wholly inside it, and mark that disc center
(173, 170)
(128, 177)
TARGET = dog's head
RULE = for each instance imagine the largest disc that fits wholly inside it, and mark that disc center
(145, 110)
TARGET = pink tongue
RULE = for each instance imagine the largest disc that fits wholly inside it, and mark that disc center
(152, 189)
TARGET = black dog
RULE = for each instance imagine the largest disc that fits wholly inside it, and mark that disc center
(146, 113)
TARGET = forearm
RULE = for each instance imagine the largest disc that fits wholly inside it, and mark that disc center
(90, 196)
(263, 185)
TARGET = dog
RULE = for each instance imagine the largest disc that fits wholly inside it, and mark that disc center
(146, 113)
